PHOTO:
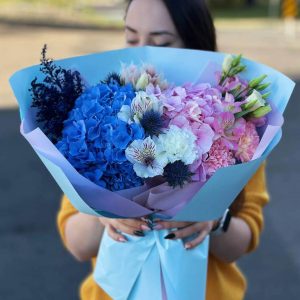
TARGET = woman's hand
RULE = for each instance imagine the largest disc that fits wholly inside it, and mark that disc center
(186, 229)
(114, 228)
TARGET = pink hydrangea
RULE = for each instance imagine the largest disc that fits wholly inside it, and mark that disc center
(174, 101)
(193, 107)
(198, 103)
(248, 143)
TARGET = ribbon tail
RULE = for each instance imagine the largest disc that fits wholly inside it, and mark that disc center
(148, 283)
(119, 265)
(184, 272)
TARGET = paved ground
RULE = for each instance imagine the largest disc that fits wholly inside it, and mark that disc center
(34, 265)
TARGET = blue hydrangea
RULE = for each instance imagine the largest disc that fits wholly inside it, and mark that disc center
(94, 139)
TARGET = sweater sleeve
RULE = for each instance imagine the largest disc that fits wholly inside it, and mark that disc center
(66, 211)
(252, 200)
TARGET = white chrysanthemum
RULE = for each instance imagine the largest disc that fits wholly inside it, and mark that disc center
(143, 155)
(177, 144)
(143, 103)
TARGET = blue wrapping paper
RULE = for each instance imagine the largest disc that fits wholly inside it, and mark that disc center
(143, 268)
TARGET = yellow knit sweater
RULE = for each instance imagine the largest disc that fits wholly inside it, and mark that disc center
(224, 281)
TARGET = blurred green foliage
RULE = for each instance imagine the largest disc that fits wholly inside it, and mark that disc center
(59, 3)
(235, 3)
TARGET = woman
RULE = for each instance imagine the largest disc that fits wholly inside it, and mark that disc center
(182, 24)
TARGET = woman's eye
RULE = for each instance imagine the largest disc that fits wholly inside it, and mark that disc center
(168, 44)
(132, 42)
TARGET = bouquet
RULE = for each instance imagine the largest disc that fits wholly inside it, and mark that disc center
(175, 134)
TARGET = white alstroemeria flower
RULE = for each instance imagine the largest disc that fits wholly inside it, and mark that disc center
(130, 73)
(177, 144)
(125, 114)
(143, 103)
(254, 101)
(227, 63)
(141, 77)
(143, 155)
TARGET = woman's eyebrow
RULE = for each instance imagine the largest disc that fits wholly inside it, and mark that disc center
(162, 32)
(131, 29)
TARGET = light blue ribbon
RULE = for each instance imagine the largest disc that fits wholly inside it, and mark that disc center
(136, 269)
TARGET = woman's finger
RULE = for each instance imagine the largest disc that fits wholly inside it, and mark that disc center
(197, 241)
(169, 225)
(184, 232)
(136, 224)
(123, 227)
(111, 231)
(130, 226)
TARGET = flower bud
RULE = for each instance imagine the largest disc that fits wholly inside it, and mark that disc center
(237, 70)
(227, 63)
(253, 102)
(237, 60)
(255, 82)
(266, 96)
(262, 87)
(261, 112)
(142, 82)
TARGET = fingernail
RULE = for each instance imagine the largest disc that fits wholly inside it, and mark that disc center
(170, 236)
(146, 228)
(138, 233)
(122, 240)
(158, 227)
(188, 246)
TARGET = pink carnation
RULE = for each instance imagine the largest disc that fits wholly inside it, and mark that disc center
(219, 156)
(248, 143)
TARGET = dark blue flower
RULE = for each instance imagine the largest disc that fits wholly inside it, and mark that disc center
(54, 97)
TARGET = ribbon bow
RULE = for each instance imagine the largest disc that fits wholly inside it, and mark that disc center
(151, 267)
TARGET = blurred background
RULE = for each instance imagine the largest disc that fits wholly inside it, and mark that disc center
(33, 262)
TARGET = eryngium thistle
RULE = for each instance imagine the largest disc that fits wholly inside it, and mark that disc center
(177, 174)
(152, 123)
(113, 78)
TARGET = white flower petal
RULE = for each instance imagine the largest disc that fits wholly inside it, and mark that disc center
(176, 144)
(125, 113)
(227, 63)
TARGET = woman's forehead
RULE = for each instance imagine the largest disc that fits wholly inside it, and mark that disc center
(149, 16)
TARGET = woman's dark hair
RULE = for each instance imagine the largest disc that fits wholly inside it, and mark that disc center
(193, 22)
